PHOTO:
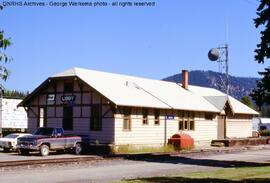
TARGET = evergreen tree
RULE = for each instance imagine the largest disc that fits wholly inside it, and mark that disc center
(4, 43)
(14, 94)
(261, 95)
(263, 19)
(258, 95)
(246, 100)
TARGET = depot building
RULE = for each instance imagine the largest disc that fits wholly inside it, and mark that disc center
(126, 110)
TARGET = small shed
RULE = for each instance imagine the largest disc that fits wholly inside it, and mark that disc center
(264, 124)
(12, 118)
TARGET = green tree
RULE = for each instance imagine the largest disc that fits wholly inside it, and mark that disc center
(261, 94)
(246, 100)
(4, 72)
(4, 43)
(263, 19)
(14, 94)
(258, 95)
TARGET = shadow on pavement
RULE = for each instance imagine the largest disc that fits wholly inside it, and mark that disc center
(193, 161)
(197, 180)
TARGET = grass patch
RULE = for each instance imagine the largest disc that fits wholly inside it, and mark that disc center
(234, 173)
(128, 149)
(264, 132)
(237, 175)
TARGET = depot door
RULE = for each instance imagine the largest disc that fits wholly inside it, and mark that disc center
(221, 127)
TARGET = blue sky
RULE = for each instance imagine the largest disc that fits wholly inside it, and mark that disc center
(153, 42)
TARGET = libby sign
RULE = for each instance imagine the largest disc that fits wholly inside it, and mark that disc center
(68, 98)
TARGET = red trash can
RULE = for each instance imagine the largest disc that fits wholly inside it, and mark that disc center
(181, 141)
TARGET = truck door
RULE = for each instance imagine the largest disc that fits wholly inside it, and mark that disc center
(69, 142)
(58, 140)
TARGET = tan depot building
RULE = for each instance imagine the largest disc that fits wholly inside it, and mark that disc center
(126, 110)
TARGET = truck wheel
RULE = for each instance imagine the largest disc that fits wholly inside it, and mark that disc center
(78, 149)
(44, 150)
(23, 151)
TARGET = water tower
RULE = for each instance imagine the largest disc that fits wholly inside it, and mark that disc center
(220, 55)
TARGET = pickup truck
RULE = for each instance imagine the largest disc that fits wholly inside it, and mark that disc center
(46, 139)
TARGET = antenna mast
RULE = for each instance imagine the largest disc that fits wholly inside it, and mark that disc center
(221, 55)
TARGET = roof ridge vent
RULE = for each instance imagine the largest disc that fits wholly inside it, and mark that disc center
(130, 83)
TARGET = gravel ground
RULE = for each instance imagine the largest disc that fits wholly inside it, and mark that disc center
(14, 156)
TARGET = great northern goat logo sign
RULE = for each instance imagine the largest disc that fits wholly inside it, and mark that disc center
(51, 99)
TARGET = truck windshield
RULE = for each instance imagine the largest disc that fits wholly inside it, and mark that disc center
(44, 131)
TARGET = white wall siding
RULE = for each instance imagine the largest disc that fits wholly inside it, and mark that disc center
(139, 134)
(239, 128)
(11, 115)
(205, 130)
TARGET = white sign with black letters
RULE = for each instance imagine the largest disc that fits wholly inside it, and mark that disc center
(68, 98)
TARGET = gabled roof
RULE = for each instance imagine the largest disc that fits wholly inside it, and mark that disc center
(124, 90)
(219, 100)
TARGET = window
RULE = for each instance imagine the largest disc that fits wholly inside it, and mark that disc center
(96, 120)
(42, 117)
(127, 124)
(263, 128)
(145, 116)
(59, 131)
(191, 125)
(186, 121)
(127, 119)
(208, 116)
(185, 125)
(68, 87)
(67, 118)
(44, 131)
(181, 125)
(157, 113)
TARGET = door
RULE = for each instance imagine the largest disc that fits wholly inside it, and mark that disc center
(58, 141)
(42, 122)
(221, 127)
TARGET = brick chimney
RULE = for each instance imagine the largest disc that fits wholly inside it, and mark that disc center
(185, 79)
